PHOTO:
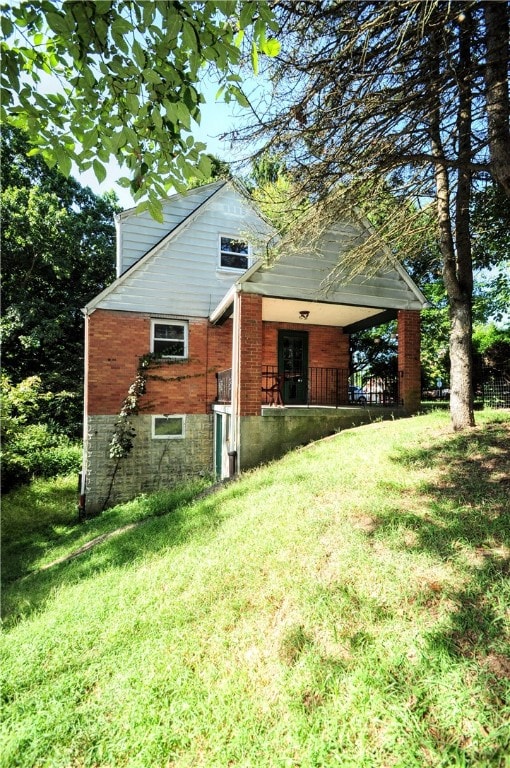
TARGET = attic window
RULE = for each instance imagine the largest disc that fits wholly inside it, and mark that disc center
(169, 339)
(234, 253)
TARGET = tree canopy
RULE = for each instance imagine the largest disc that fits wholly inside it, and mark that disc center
(88, 80)
(58, 251)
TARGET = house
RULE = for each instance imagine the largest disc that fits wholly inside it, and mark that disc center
(243, 360)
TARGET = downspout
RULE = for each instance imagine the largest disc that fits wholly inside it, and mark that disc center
(82, 478)
(118, 239)
(236, 349)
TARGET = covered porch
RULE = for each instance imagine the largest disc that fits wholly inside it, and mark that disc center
(289, 377)
(314, 386)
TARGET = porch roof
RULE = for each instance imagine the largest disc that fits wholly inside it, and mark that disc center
(302, 282)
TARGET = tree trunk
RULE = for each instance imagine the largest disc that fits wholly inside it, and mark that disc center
(461, 366)
(461, 354)
(457, 262)
(496, 90)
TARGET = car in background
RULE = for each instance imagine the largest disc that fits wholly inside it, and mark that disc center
(357, 395)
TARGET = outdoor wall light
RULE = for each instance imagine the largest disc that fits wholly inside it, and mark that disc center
(304, 314)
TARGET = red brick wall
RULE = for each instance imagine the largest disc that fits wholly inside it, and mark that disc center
(116, 341)
(328, 347)
(250, 376)
(409, 358)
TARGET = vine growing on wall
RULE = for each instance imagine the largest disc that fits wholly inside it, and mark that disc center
(124, 433)
(121, 442)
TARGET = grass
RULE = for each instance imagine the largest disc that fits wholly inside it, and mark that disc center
(345, 606)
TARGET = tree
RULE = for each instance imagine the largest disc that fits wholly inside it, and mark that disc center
(58, 251)
(121, 78)
(410, 96)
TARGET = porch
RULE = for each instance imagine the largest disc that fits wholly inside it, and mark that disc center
(315, 386)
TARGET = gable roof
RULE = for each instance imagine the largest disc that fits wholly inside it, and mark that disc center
(232, 214)
(306, 276)
(182, 222)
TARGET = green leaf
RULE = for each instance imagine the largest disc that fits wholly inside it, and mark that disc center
(155, 208)
(64, 163)
(151, 77)
(138, 54)
(254, 58)
(132, 103)
(189, 37)
(271, 47)
(247, 12)
(89, 139)
(59, 23)
(239, 96)
(99, 170)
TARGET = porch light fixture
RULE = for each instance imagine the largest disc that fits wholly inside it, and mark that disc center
(303, 314)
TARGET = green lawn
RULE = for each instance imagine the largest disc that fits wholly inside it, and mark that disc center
(345, 606)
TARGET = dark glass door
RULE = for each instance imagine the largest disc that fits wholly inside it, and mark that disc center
(293, 365)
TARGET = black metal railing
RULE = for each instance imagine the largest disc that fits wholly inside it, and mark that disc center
(365, 389)
(324, 386)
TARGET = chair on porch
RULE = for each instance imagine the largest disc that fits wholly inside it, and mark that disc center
(274, 391)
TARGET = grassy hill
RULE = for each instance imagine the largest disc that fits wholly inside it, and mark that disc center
(345, 606)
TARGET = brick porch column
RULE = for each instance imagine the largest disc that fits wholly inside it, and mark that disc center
(409, 359)
(250, 354)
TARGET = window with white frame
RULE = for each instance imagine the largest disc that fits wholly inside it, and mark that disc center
(168, 427)
(234, 253)
(169, 338)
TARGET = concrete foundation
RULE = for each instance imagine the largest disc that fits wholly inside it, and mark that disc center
(152, 464)
(279, 430)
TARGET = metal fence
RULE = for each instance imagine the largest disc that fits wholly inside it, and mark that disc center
(495, 388)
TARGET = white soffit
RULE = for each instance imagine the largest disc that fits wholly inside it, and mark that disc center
(287, 311)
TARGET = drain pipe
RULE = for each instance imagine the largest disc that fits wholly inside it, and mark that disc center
(82, 477)
(82, 512)
(236, 341)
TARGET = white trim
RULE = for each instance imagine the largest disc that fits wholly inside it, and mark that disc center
(170, 321)
(168, 416)
(248, 256)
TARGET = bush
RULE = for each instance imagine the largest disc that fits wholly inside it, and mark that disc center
(31, 449)
(35, 451)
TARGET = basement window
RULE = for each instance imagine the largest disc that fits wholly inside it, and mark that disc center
(169, 339)
(234, 253)
(167, 427)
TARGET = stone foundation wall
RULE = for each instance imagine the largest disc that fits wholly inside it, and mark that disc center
(152, 465)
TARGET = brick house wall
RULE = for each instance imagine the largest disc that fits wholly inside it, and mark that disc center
(409, 358)
(117, 340)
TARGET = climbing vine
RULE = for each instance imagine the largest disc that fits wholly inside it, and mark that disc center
(124, 432)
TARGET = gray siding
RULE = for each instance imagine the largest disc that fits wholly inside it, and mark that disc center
(139, 232)
(182, 276)
(307, 276)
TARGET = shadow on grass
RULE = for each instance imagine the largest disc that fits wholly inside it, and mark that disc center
(33, 517)
(166, 519)
(465, 516)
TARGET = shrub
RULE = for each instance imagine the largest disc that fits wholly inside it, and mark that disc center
(30, 448)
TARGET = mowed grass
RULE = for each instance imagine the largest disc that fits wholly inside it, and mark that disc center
(345, 606)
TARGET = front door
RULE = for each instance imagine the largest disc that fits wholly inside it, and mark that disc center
(293, 365)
